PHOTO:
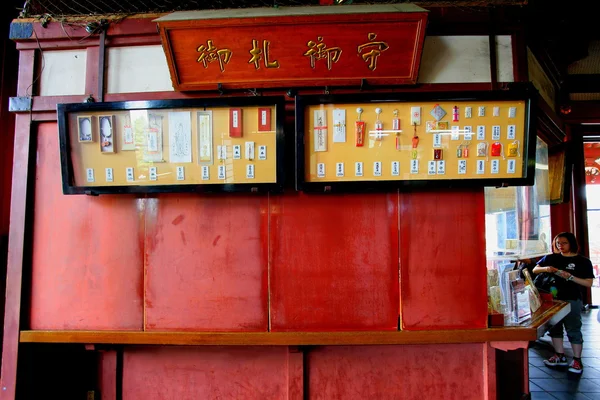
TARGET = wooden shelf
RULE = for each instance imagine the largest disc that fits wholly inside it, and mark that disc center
(547, 314)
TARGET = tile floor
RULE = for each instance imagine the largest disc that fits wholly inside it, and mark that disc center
(557, 383)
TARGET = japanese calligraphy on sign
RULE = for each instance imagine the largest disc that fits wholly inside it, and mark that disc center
(283, 52)
(319, 51)
(209, 53)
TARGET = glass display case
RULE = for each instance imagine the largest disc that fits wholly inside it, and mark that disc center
(517, 230)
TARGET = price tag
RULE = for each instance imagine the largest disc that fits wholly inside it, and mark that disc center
(511, 166)
(180, 173)
(321, 170)
(250, 171)
(480, 166)
(358, 169)
(129, 174)
(377, 168)
(414, 166)
(205, 173)
(511, 132)
(339, 169)
(89, 173)
(468, 134)
(431, 168)
(237, 152)
(481, 111)
(496, 132)
(468, 112)
(481, 132)
(462, 167)
(262, 152)
(437, 140)
(152, 173)
(109, 174)
(441, 167)
(221, 172)
(395, 168)
(495, 167)
(455, 135)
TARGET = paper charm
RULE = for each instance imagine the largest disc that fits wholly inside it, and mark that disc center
(455, 114)
(339, 126)
(438, 112)
(359, 129)
(415, 139)
(415, 115)
(496, 149)
(320, 130)
(396, 127)
(468, 112)
(482, 149)
(378, 125)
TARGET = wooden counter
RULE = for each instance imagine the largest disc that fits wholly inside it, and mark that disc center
(548, 314)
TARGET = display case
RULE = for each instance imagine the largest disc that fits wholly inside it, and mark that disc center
(368, 141)
(201, 145)
(517, 227)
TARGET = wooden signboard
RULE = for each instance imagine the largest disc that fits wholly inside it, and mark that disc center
(387, 141)
(294, 46)
(199, 145)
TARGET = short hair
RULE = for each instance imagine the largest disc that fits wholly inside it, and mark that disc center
(573, 245)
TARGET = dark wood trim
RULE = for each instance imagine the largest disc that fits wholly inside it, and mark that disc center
(582, 83)
(14, 275)
(519, 51)
(26, 73)
(57, 44)
(547, 314)
(550, 127)
(91, 72)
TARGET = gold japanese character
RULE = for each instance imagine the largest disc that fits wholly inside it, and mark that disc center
(319, 51)
(209, 53)
(258, 54)
(376, 48)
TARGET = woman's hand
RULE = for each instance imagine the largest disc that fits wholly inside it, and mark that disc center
(563, 274)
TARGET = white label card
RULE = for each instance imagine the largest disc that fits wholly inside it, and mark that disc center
(511, 166)
(249, 150)
(496, 111)
(414, 166)
(437, 140)
(481, 111)
(152, 173)
(431, 168)
(511, 132)
(262, 152)
(250, 171)
(415, 115)
(128, 135)
(339, 169)
(455, 135)
(205, 173)
(468, 135)
(237, 152)
(377, 168)
(129, 174)
(109, 175)
(441, 167)
(462, 167)
(358, 169)
(512, 112)
(89, 173)
(395, 168)
(180, 173)
(496, 132)
(480, 166)
(495, 167)
(468, 112)
(339, 126)
(235, 120)
(321, 170)
(481, 132)
(320, 130)
(263, 117)
(221, 173)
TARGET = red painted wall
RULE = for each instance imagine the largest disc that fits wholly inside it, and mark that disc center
(228, 263)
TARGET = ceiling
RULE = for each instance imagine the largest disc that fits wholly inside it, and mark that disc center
(562, 36)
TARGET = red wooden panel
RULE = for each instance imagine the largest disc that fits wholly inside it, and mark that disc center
(87, 252)
(107, 374)
(192, 373)
(334, 262)
(441, 372)
(206, 263)
(442, 260)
